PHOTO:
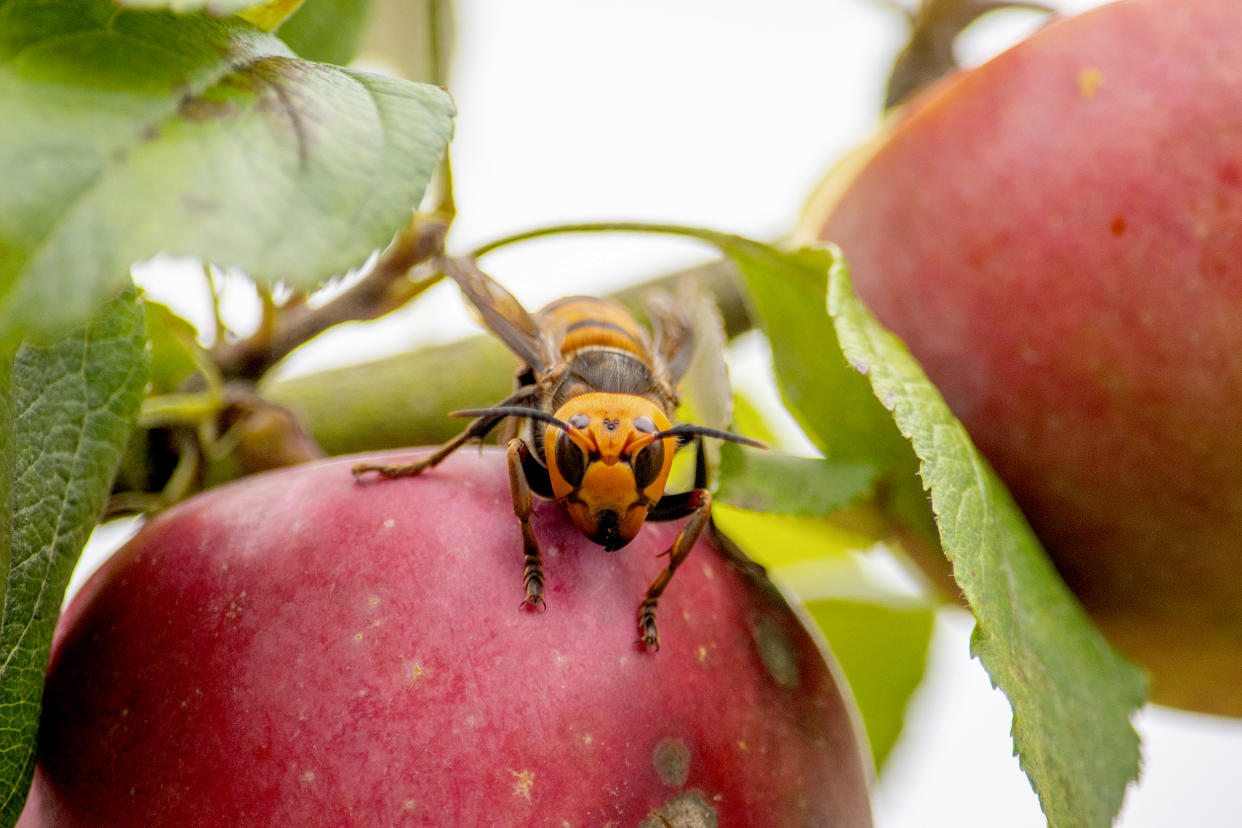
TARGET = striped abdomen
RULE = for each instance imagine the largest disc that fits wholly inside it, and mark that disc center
(579, 322)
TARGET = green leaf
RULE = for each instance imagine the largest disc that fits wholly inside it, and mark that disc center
(774, 541)
(172, 341)
(1072, 695)
(775, 482)
(749, 421)
(266, 15)
(67, 410)
(326, 30)
(831, 402)
(218, 8)
(129, 133)
(881, 646)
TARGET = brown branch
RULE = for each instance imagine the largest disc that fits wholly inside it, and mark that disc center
(388, 285)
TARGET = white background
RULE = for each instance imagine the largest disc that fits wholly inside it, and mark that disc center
(724, 114)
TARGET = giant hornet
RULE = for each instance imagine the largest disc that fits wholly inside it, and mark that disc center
(597, 392)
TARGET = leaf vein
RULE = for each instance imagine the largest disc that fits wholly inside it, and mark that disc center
(49, 549)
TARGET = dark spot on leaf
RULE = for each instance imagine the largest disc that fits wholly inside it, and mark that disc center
(691, 809)
(1118, 227)
(671, 759)
(282, 95)
(198, 109)
(242, 79)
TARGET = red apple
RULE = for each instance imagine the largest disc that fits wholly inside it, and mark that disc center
(1057, 235)
(300, 649)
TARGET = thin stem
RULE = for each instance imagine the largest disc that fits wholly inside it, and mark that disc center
(708, 236)
(437, 34)
(444, 207)
(180, 408)
(221, 331)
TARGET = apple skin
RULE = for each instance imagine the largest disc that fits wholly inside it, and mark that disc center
(1057, 236)
(300, 649)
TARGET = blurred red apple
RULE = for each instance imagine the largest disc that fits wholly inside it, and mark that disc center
(1057, 235)
(300, 649)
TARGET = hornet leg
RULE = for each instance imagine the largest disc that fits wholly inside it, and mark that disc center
(698, 504)
(525, 472)
(477, 430)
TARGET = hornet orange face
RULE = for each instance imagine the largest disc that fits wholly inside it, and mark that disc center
(608, 465)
